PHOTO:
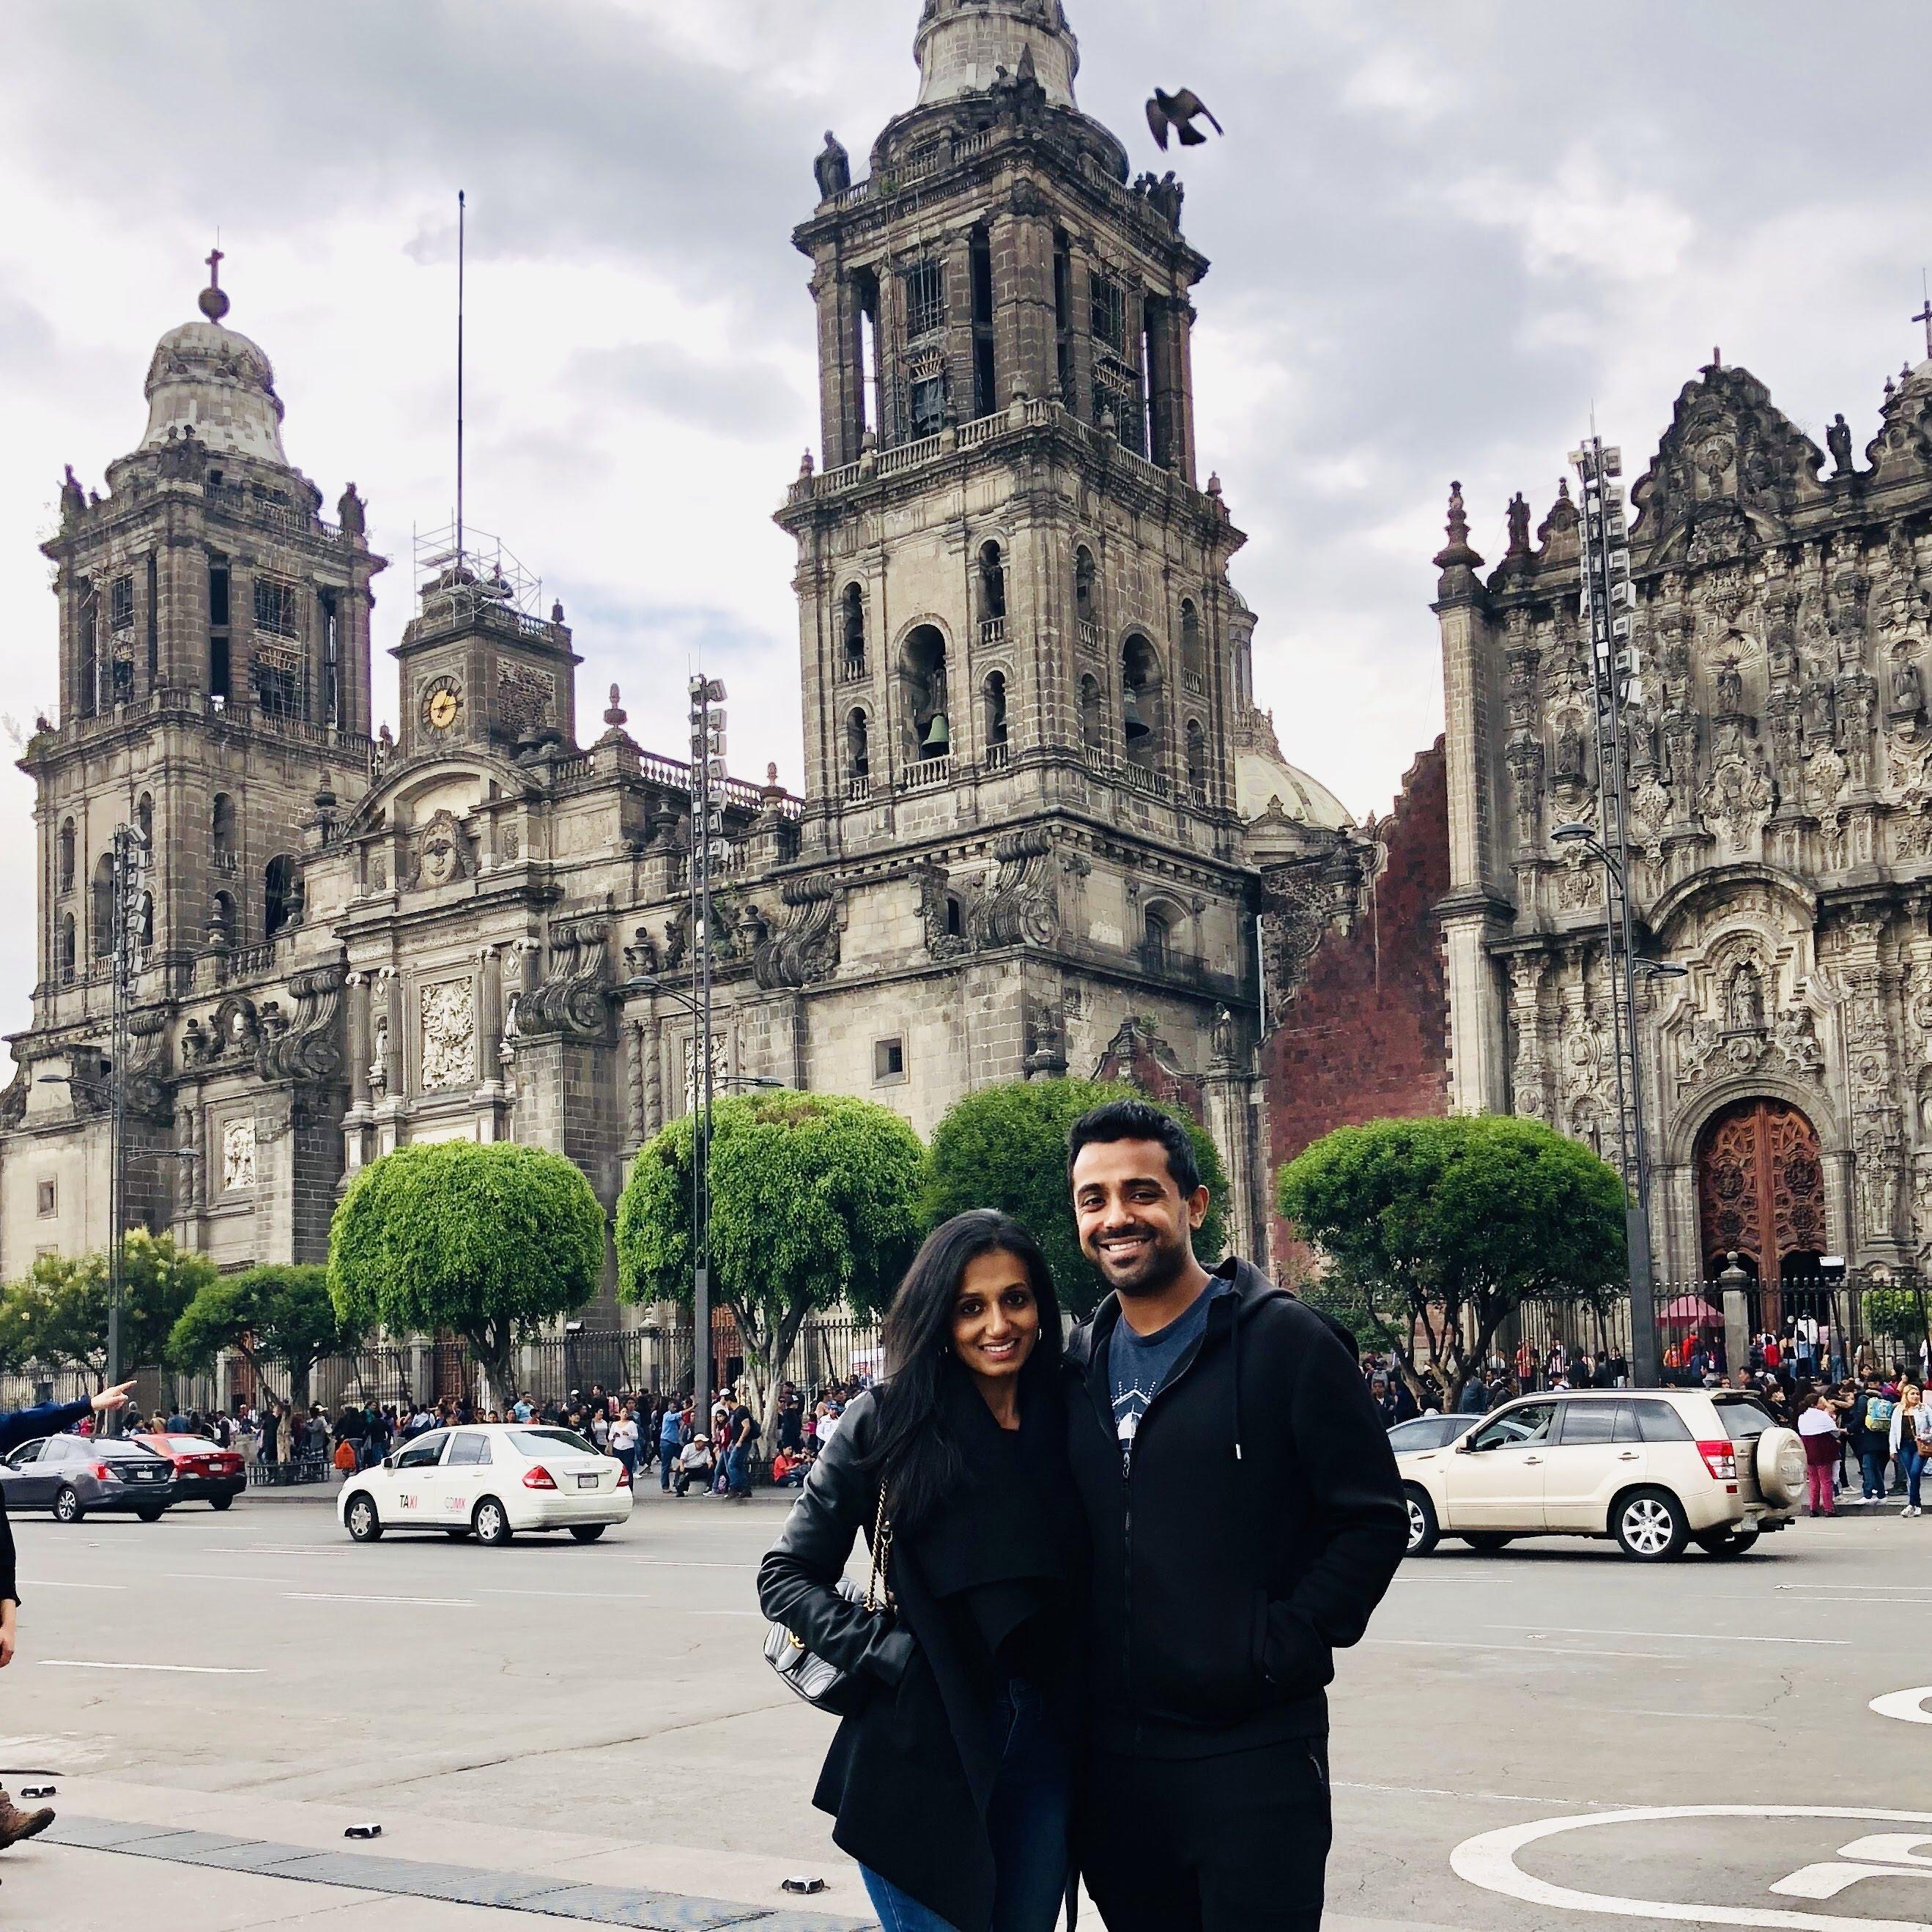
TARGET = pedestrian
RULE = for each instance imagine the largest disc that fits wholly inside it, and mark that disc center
(950, 1783)
(1245, 1518)
(671, 1441)
(742, 1432)
(1871, 1428)
(623, 1442)
(1910, 1442)
(1818, 1429)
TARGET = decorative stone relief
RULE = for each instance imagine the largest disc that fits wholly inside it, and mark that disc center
(525, 698)
(237, 1154)
(448, 1036)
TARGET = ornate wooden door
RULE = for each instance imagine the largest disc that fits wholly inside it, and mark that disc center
(1760, 1187)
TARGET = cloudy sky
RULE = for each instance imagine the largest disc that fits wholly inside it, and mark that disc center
(1440, 233)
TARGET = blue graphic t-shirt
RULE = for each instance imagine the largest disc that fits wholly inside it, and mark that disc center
(1138, 1365)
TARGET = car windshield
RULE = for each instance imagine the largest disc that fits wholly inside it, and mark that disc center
(547, 1442)
(1743, 1421)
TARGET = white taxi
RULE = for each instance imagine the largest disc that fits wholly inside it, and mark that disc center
(489, 1482)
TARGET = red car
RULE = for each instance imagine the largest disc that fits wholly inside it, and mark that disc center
(204, 1471)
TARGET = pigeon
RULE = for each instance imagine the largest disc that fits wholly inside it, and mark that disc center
(1179, 111)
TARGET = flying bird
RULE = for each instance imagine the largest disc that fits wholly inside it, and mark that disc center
(1179, 111)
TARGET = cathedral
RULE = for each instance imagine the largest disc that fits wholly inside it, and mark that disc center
(1043, 829)
(1780, 786)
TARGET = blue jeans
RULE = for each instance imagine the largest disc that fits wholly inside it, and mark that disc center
(1912, 1464)
(667, 1465)
(738, 1469)
(1026, 1821)
(1872, 1463)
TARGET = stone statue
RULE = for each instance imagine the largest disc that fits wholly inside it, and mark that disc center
(73, 498)
(1165, 197)
(1518, 525)
(1569, 751)
(1838, 441)
(349, 513)
(1819, 718)
(1908, 689)
(1730, 689)
(1222, 1041)
(833, 168)
(1746, 1013)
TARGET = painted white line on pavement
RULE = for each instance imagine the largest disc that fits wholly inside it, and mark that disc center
(175, 1669)
(1489, 1860)
(218, 1576)
(1696, 1637)
(344, 1597)
(1910, 1705)
(60, 1583)
(1527, 1649)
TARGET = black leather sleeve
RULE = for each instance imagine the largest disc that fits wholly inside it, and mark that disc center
(798, 1582)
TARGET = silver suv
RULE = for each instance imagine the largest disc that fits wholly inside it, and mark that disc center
(1656, 1469)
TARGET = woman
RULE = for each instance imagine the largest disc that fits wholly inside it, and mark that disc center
(1818, 1429)
(949, 1783)
(1911, 1441)
(624, 1441)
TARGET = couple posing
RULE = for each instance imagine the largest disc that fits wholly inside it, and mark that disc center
(1119, 1562)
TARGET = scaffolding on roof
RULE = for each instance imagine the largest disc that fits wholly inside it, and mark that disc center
(475, 574)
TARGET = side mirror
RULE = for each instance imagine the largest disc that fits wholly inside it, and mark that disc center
(1466, 1445)
(389, 1462)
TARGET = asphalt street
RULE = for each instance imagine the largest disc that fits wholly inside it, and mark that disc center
(1526, 1742)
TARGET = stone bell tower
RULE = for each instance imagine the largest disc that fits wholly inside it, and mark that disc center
(1013, 593)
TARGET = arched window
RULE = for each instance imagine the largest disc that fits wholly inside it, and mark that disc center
(852, 624)
(100, 911)
(66, 948)
(67, 856)
(221, 924)
(1093, 715)
(222, 827)
(992, 590)
(278, 894)
(996, 709)
(1156, 949)
(1193, 659)
(1083, 584)
(1197, 759)
(955, 917)
(922, 671)
(858, 748)
(1141, 703)
(144, 818)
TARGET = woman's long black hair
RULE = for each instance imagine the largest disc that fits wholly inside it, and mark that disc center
(914, 1454)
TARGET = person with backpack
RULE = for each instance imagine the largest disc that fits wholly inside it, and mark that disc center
(1871, 1431)
(1911, 1442)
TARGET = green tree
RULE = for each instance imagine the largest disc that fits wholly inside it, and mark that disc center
(158, 1282)
(814, 1202)
(278, 1318)
(1903, 1315)
(21, 1309)
(1005, 1147)
(66, 1298)
(1436, 1231)
(61, 1311)
(491, 1240)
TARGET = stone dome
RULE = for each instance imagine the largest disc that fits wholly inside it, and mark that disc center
(217, 383)
(1262, 778)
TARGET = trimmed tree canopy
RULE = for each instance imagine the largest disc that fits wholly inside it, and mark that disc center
(277, 1315)
(59, 1314)
(1439, 1229)
(814, 1202)
(490, 1240)
(1005, 1147)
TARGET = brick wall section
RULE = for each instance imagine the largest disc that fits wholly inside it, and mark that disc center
(1367, 1038)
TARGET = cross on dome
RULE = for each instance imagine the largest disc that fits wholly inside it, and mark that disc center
(213, 302)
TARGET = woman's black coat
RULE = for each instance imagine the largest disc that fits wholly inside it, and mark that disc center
(910, 1775)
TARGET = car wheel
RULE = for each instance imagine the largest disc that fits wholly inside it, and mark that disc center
(1424, 1534)
(1726, 1542)
(587, 1532)
(1649, 1525)
(491, 1522)
(67, 1506)
(1488, 1541)
(221, 1502)
(151, 1514)
(364, 1525)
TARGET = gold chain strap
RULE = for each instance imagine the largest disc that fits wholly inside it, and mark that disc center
(878, 1590)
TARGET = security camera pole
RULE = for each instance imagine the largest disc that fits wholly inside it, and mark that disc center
(1607, 598)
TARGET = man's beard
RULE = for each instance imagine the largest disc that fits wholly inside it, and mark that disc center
(1160, 1268)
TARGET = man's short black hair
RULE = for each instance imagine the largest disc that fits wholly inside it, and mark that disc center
(1137, 1120)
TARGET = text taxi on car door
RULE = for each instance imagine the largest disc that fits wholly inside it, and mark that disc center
(489, 1482)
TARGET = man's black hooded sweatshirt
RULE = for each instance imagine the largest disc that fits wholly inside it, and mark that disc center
(1254, 1529)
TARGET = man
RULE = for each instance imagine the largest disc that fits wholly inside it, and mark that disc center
(742, 1431)
(27, 1425)
(671, 1442)
(791, 1419)
(1870, 1432)
(1245, 1517)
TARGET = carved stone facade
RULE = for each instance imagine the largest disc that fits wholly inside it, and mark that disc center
(1041, 814)
(1780, 788)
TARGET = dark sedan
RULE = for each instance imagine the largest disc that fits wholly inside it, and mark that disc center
(73, 1475)
(205, 1472)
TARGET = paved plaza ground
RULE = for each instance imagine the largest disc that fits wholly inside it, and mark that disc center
(590, 1733)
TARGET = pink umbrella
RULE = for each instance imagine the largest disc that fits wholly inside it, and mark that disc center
(1690, 1311)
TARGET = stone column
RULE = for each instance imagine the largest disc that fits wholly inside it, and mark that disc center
(636, 1125)
(841, 372)
(956, 264)
(359, 1046)
(394, 1060)
(1080, 304)
(1228, 1093)
(1170, 441)
(1733, 1282)
(1024, 337)
(489, 1021)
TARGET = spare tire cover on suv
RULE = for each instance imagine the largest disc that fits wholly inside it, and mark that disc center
(1781, 1467)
